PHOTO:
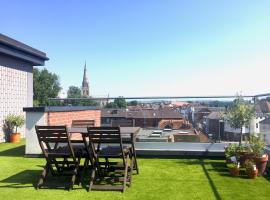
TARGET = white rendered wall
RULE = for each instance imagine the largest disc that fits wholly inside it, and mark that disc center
(255, 125)
(32, 119)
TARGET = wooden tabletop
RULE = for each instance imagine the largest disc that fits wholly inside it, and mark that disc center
(123, 130)
(127, 133)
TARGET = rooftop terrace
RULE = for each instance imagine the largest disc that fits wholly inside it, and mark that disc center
(158, 179)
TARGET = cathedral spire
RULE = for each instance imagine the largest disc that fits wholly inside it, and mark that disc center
(85, 83)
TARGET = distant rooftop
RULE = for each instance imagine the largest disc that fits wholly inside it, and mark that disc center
(123, 113)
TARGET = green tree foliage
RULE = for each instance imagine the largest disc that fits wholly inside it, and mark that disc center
(74, 92)
(133, 103)
(119, 102)
(14, 122)
(240, 114)
(46, 85)
(111, 105)
(88, 102)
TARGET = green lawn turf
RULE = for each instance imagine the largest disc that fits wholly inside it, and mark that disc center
(158, 179)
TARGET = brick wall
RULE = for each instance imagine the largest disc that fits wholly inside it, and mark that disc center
(174, 124)
(65, 118)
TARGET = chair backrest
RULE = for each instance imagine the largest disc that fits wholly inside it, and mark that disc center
(97, 136)
(104, 135)
(50, 137)
(83, 123)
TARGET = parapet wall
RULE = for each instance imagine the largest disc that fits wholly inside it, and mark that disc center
(54, 116)
(65, 118)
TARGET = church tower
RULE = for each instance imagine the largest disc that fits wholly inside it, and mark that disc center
(85, 83)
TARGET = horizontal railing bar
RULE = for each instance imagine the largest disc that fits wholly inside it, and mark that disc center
(157, 97)
(262, 95)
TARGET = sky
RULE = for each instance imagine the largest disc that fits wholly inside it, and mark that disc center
(149, 48)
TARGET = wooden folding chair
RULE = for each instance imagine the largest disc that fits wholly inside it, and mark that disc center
(105, 143)
(61, 156)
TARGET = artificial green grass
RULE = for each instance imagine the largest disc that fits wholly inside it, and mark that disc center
(158, 179)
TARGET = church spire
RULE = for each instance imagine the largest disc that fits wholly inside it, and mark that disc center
(85, 83)
(85, 79)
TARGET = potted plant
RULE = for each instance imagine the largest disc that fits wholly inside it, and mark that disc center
(244, 153)
(13, 122)
(234, 169)
(257, 146)
(230, 152)
(251, 169)
(240, 114)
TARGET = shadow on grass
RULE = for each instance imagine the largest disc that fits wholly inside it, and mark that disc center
(218, 166)
(14, 152)
(24, 179)
(29, 179)
(211, 182)
(267, 176)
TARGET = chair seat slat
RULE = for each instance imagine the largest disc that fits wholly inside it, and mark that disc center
(43, 131)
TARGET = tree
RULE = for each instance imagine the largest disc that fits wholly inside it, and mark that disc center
(120, 102)
(46, 85)
(74, 92)
(88, 102)
(110, 105)
(133, 103)
(240, 114)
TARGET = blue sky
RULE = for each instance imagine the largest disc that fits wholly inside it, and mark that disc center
(149, 48)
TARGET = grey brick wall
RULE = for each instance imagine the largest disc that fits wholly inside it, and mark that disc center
(16, 92)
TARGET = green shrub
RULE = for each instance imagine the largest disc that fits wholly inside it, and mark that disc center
(233, 165)
(249, 165)
(231, 150)
(14, 122)
(256, 145)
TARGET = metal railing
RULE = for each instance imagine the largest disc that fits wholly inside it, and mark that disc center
(179, 125)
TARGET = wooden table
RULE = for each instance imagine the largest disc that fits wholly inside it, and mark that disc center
(128, 135)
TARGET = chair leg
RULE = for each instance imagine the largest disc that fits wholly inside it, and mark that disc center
(135, 159)
(43, 176)
(75, 173)
(92, 178)
(126, 174)
(73, 178)
(131, 170)
(86, 162)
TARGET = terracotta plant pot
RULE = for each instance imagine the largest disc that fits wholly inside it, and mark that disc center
(15, 137)
(245, 156)
(234, 171)
(261, 164)
(252, 173)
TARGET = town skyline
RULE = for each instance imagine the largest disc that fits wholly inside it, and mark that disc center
(153, 48)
